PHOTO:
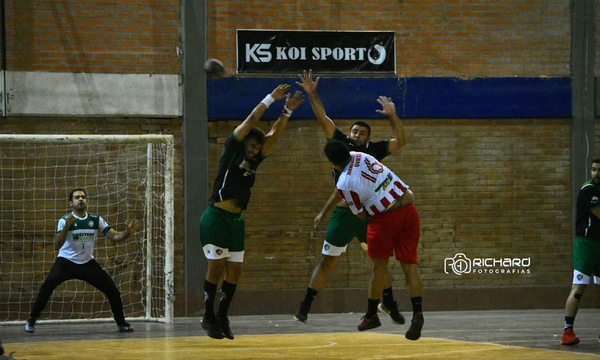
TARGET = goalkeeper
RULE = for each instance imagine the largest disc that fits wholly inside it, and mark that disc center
(76, 236)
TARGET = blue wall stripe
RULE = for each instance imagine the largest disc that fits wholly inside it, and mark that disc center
(234, 98)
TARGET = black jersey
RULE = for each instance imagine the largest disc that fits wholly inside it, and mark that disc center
(378, 150)
(588, 224)
(235, 174)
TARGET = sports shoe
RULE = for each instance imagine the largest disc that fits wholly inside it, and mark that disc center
(302, 314)
(224, 326)
(569, 337)
(416, 324)
(124, 327)
(212, 328)
(30, 326)
(392, 312)
(369, 323)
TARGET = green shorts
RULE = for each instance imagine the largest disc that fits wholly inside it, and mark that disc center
(345, 226)
(222, 229)
(586, 259)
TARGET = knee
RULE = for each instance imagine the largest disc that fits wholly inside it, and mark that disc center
(328, 262)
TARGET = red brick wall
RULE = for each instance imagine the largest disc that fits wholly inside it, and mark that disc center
(489, 188)
(102, 36)
(461, 38)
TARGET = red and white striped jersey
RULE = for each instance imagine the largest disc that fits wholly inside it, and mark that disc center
(366, 184)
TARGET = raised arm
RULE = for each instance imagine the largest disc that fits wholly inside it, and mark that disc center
(61, 236)
(389, 110)
(332, 202)
(252, 120)
(310, 87)
(291, 104)
(122, 235)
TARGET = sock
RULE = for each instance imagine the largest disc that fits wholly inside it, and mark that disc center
(388, 297)
(569, 320)
(372, 309)
(310, 296)
(1, 350)
(417, 305)
(210, 290)
(227, 291)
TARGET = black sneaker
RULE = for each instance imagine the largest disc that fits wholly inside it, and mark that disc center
(30, 326)
(224, 326)
(124, 327)
(212, 328)
(302, 314)
(414, 332)
(369, 323)
(392, 312)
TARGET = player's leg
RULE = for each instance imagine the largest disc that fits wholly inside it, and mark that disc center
(585, 255)
(405, 248)
(342, 228)
(233, 272)
(221, 233)
(93, 273)
(61, 271)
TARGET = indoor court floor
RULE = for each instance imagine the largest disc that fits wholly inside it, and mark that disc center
(518, 334)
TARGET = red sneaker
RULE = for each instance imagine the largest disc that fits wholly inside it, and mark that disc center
(569, 337)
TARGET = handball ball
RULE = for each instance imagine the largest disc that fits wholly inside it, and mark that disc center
(214, 68)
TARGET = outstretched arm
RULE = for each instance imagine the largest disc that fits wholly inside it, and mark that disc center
(291, 104)
(252, 120)
(332, 202)
(389, 110)
(310, 87)
(122, 235)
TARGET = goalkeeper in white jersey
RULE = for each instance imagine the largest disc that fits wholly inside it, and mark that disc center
(76, 236)
(372, 190)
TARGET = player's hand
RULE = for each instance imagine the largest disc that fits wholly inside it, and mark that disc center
(69, 221)
(307, 83)
(280, 91)
(389, 109)
(293, 102)
(133, 226)
(317, 220)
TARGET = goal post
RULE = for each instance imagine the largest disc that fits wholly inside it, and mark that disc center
(126, 177)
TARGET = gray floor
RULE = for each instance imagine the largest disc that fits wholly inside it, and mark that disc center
(524, 328)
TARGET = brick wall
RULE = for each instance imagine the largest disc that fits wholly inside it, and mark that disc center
(462, 38)
(486, 188)
(102, 36)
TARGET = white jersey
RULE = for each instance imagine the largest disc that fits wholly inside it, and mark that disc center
(80, 241)
(366, 184)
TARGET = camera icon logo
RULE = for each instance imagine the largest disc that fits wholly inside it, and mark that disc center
(459, 264)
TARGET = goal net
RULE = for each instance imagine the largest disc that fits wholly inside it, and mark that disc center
(126, 177)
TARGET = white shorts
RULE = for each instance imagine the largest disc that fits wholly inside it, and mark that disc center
(580, 278)
(213, 252)
(332, 250)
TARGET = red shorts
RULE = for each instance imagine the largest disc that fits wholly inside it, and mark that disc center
(396, 230)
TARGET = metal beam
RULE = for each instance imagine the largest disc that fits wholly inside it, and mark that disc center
(195, 148)
(583, 47)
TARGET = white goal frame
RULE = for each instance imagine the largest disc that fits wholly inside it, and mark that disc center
(168, 212)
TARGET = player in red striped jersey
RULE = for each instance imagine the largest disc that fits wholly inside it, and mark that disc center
(372, 190)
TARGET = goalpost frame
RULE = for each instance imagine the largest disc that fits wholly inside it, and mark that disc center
(169, 206)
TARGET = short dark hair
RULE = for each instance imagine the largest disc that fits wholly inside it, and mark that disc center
(596, 160)
(337, 152)
(78, 189)
(363, 124)
(257, 134)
